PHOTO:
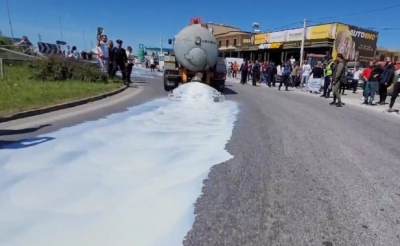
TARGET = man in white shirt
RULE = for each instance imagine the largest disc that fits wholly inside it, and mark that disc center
(292, 60)
(152, 64)
(102, 53)
(356, 77)
(305, 74)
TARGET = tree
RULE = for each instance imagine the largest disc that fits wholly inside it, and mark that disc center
(153, 54)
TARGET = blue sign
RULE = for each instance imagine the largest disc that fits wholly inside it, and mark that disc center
(59, 42)
(141, 46)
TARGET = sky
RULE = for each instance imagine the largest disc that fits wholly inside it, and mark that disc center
(144, 22)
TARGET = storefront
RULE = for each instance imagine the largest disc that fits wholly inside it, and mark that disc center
(355, 43)
(316, 46)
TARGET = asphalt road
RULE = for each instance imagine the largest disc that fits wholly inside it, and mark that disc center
(303, 172)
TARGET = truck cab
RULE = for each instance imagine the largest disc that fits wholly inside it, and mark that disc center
(312, 59)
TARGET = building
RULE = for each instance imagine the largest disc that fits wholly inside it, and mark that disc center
(382, 53)
(356, 44)
(229, 38)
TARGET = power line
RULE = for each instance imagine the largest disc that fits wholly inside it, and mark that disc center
(370, 28)
(285, 26)
(358, 13)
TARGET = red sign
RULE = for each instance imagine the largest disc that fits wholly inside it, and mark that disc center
(195, 20)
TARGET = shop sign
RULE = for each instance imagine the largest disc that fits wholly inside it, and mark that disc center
(321, 31)
(297, 44)
(355, 43)
(274, 37)
(270, 46)
(294, 34)
(261, 38)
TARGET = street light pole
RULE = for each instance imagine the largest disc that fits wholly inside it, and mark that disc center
(84, 40)
(59, 20)
(302, 42)
(9, 20)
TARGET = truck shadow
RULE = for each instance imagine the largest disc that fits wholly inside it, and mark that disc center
(229, 91)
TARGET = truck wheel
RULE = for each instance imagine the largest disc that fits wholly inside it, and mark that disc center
(167, 87)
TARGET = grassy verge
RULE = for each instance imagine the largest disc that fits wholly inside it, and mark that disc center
(19, 92)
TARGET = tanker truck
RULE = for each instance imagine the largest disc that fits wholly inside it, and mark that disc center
(195, 52)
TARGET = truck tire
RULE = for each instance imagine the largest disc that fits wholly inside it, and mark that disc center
(167, 87)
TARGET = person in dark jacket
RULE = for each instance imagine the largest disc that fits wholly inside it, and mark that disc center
(270, 73)
(110, 46)
(386, 80)
(119, 60)
(286, 71)
(256, 72)
(243, 72)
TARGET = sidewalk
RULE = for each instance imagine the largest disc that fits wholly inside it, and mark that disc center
(349, 97)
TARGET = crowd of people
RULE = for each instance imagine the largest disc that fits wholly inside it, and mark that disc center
(113, 58)
(375, 78)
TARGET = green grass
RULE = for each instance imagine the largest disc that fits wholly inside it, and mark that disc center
(19, 93)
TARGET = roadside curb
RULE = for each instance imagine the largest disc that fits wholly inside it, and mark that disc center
(62, 106)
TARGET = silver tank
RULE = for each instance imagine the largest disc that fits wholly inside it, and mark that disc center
(196, 48)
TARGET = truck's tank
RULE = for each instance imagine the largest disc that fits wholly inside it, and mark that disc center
(196, 48)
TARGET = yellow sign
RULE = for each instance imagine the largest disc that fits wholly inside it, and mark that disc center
(261, 38)
(276, 45)
(322, 31)
(246, 41)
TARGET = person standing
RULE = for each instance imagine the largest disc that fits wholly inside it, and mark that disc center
(386, 80)
(130, 57)
(119, 60)
(243, 72)
(270, 73)
(103, 54)
(286, 70)
(256, 72)
(293, 74)
(356, 78)
(396, 91)
(372, 84)
(305, 74)
(328, 78)
(109, 61)
(366, 73)
(338, 77)
(235, 68)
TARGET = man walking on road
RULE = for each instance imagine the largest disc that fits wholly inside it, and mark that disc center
(286, 70)
(119, 60)
(338, 77)
(328, 78)
(386, 80)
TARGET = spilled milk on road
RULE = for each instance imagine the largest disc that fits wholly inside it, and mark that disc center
(129, 179)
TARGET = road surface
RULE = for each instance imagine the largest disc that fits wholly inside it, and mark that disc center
(303, 172)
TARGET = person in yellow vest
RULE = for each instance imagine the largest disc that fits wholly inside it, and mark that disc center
(328, 78)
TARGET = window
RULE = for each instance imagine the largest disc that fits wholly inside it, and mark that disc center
(234, 42)
(219, 43)
(226, 43)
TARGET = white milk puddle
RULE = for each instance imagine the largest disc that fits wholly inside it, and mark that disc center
(129, 179)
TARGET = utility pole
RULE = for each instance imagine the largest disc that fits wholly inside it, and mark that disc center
(59, 20)
(302, 42)
(161, 45)
(9, 20)
(40, 37)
